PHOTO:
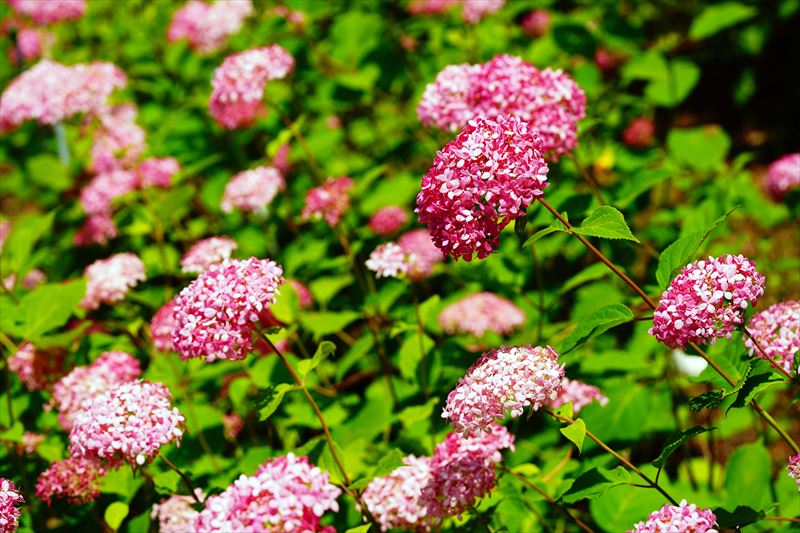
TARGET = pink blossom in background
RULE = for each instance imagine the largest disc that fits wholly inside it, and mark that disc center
(478, 313)
(446, 103)
(281, 160)
(37, 369)
(782, 176)
(329, 201)
(707, 300)
(536, 23)
(640, 133)
(253, 190)
(157, 172)
(238, 84)
(161, 326)
(472, 11)
(684, 518)
(75, 480)
(118, 139)
(219, 312)
(97, 195)
(777, 330)
(31, 42)
(430, 7)
(414, 255)
(396, 500)
(47, 12)
(503, 381)
(481, 181)
(32, 279)
(206, 253)
(98, 228)
(580, 394)
(5, 231)
(286, 494)
(304, 297)
(388, 260)
(10, 500)
(232, 425)
(109, 280)
(31, 442)
(388, 220)
(607, 61)
(793, 469)
(175, 514)
(207, 26)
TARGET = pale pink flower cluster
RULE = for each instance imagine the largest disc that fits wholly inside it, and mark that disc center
(127, 423)
(286, 494)
(206, 253)
(478, 313)
(388, 260)
(447, 103)
(782, 176)
(49, 92)
(37, 369)
(84, 382)
(175, 514)
(10, 500)
(157, 172)
(238, 84)
(253, 190)
(75, 479)
(481, 181)
(503, 382)
(793, 468)
(472, 11)
(579, 393)
(49, 11)
(98, 195)
(328, 201)
(162, 325)
(96, 229)
(777, 330)
(218, 313)
(707, 300)
(388, 220)
(109, 280)
(207, 26)
(413, 255)
(536, 23)
(118, 139)
(684, 518)
(396, 500)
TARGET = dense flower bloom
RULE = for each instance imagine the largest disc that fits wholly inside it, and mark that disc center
(388, 220)
(446, 103)
(782, 176)
(84, 382)
(253, 190)
(536, 23)
(286, 494)
(793, 468)
(478, 313)
(504, 380)
(127, 423)
(175, 514)
(707, 300)
(10, 498)
(37, 369)
(49, 11)
(388, 260)
(777, 330)
(207, 26)
(684, 518)
(118, 139)
(96, 197)
(396, 500)
(75, 479)
(217, 314)
(97, 229)
(640, 133)
(49, 92)
(239, 84)
(206, 253)
(109, 280)
(328, 201)
(472, 11)
(580, 394)
(484, 179)
(161, 326)
(157, 172)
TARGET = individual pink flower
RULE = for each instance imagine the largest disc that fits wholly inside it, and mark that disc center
(161, 326)
(75, 480)
(109, 280)
(484, 179)
(98, 228)
(175, 514)
(206, 253)
(10, 500)
(219, 312)
(536, 23)
(782, 176)
(607, 60)
(388, 260)
(253, 190)
(793, 468)
(580, 394)
(50, 11)
(207, 26)
(232, 425)
(430, 7)
(472, 11)
(503, 381)
(396, 500)
(281, 160)
(707, 300)
(328, 201)
(286, 494)
(684, 518)
(127, 423)
(118, 139)
(640, 133)
(478, 313)
(37, 369)
(157, 172)
(388, 220)
(238, 84)
(98, 194)
(777, 330)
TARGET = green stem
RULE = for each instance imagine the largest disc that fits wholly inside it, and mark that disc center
(184, 477)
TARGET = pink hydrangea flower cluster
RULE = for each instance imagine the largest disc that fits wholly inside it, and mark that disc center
(536, 23)
(707, 300)
(430, 7)
(31, 442)
(579, 393)
(49, 92)
(286, 494)
(96, 229)
(157, 172)
(253, 190)
(640, 133)
(388, 220)
(218, 313)
(447, 103)
(484, 179)
(238, 84)
(478, 313)
(84, 382)
(388, 260)
(503, 381)
(175, 514)
(396, 500)
(472, 11)
(98, 195)
(328, 201)
(75, 479)
(207, 26)
(127, 423)
(42, 12)
(782, 176)
(793, 468)
(206, 253)
(37, 369)
(10, 500)
(684, 517)
(777, 330)
(161, 326)
(118, 139)
(413, 255)
(109, 280)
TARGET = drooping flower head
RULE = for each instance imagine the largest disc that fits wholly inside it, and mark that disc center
(236, 99)
(75, 479)
(157, 172)
(793, 468)
(782, 176)
(777, 330)
(484, 179)
(684, 517)
(253, 190)
(472, 11)
(396, 500)
(503, 381)
(707, 300)
(388, 220)
(47, 12)
(161, 326)
(207, 26)
(109, 280)
(10, 500)
(536, 23)
(175, 514)
(218, 313)
(118, 140)
(37, 369)
(97, 195)
(206, 253)
(579, 393)
(286, 494)
(478, 313)
(640, 133)
(328, 201)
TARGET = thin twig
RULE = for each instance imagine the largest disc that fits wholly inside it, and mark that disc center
(184, 477)
(769, 359)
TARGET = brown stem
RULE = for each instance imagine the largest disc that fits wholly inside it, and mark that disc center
(769, 359)
(782, 519)
(184, 477)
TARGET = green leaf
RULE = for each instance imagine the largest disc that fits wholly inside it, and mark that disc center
(417, 413)
(412, 352)
(25, 232)
(565, 410)
(575, 432)
(681, 77)
(606, 222)
(324, 350)
(676, 441)
(622, 506)
(269, 398)
(167, 483)
(326, 322)
(707, 400)
(595, 324)
(543, 232)
(703, 148)
(47, 171)
(716, 18)
(115, 514)
(747, 477)
(740, 517)
(760, 378)
(324, 289)
(49, 306)
(594, 483)
(363, 528)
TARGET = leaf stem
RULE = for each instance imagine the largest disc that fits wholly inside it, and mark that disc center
(184, 477)
(769, 359)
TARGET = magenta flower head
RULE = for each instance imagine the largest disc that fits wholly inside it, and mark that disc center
(207, 26)
(253, 190)
(388, 260)
(236, 100)
(484, 179)
(388, 220)
(10, 500)
(777, 330)
(219, 312)
(580, 394)
(536, 23)
(118, 139)
(161, 326)
(175, 514)
(503, 382)
(96, 197)
(707, 300)
(96, 229)
(472, 11)
(51, 11)
(396, 500)
(206, 253)
(640, 133)
(684, 518)
(75, 479)
(413, 256)
(782, 176)
(478, 313)
(109, 280)
(157, 172)
(328, 202)
(793, 469)
(286, 494)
